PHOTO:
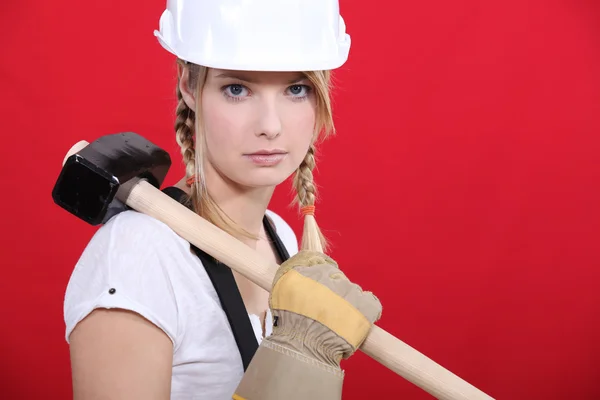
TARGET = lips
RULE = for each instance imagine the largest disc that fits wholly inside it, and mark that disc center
(267, 152)
(266, 158)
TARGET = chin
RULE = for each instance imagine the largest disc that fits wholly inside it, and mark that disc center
(263, 178)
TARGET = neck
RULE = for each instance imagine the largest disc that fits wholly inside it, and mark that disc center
(245, 206)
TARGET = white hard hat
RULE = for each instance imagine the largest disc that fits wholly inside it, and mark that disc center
(256, 35)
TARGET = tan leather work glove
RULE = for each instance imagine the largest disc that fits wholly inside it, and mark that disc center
(320, 318)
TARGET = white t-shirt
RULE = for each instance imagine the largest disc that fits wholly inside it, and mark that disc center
(138, 263)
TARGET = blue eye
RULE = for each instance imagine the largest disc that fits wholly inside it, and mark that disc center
(299, 90)
(235, 90)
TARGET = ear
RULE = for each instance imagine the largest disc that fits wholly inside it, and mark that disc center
(188, 94)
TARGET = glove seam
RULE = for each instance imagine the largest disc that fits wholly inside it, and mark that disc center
(303, 339)
(301, 357)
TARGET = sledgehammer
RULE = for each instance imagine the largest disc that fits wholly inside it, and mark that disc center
(129, 168)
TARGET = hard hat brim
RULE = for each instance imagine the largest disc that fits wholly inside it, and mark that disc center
(264, 62)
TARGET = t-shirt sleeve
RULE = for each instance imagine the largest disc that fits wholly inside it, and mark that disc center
(126, 266)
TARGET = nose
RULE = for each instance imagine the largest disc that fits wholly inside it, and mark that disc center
(269, 120)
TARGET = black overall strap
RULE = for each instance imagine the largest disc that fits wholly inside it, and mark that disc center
(227, 290)
(279, 247)
(232, 303)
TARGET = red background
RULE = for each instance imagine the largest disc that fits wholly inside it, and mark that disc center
(462, 187)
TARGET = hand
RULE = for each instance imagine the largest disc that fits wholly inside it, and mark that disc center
(318, 311)
(320, 318)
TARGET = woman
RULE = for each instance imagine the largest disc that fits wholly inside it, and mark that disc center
(143, 318)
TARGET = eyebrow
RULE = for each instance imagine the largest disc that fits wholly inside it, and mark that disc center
(249, 80)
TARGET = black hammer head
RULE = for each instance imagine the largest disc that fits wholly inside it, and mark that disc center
(89, 179)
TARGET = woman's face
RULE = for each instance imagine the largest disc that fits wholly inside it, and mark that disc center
(258, 126)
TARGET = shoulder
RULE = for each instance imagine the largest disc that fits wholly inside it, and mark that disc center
(133, 236)
(133, 226)
(131, 242)
(128, 264)
(285, 232)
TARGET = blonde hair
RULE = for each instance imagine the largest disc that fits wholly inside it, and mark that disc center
(189, 136)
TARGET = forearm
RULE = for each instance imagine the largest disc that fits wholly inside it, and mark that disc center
(277, 372)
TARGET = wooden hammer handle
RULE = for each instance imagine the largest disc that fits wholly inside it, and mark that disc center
(380, 345)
